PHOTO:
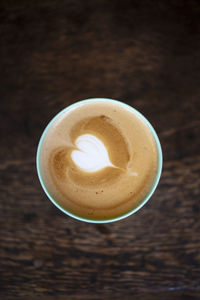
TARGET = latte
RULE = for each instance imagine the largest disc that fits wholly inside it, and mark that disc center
(98, 159)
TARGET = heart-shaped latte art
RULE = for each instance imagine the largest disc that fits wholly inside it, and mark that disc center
(92, 155)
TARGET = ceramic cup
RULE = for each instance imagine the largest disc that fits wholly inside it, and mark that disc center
(153, 187)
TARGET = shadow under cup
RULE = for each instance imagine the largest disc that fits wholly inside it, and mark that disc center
(157, 176)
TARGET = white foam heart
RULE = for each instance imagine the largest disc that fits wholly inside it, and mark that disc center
(92, 155)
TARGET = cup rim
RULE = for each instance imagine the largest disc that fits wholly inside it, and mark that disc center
(154, 185)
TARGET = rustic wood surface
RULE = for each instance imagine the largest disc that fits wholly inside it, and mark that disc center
(145, 53)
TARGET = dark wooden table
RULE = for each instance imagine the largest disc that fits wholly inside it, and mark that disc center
(147, 54)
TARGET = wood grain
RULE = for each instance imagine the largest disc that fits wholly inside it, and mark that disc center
(146, 54)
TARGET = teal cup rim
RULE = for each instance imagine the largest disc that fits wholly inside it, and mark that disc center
(147, 197)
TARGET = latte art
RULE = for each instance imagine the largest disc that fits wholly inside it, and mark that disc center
(92, 155)
(98, 160)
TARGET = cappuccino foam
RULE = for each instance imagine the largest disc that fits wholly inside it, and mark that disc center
(91, 155)
(98, 159)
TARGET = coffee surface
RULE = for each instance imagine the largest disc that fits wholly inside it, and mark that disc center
(98, 159)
